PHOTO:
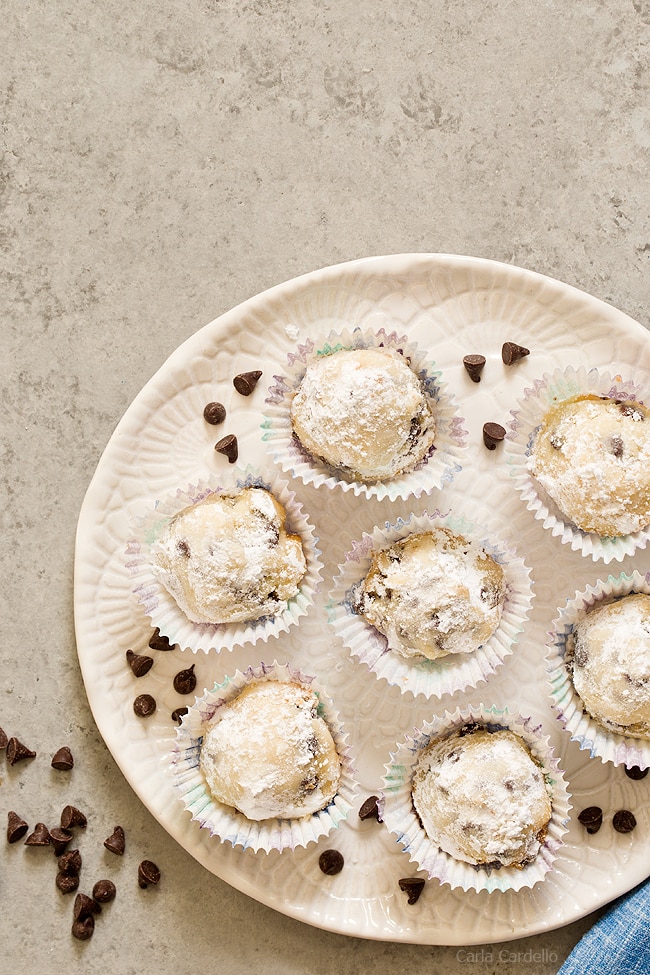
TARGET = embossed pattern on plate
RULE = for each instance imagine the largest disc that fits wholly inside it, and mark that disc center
(452, 306)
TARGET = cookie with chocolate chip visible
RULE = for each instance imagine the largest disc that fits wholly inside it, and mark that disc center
(591, 458)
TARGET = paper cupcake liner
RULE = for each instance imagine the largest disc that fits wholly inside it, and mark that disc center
(527, 418)
(161, 606)
(590, 735)
(399, 815)
(418, 675)
(226, 823)
(437, 469)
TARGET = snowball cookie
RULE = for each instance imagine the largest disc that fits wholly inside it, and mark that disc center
(482, 798)
(609, 658)
(364, 413)
(591, 456)
(433, 593)
(269, 754)
(228, 558)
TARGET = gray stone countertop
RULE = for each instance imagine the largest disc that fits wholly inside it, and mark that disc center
(162, 162)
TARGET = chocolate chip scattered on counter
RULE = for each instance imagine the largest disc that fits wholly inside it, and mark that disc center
(369, 809)
(228, 446)
(40, 836)
(178, 713)
(70, 863)
(3, 738)
(635, 772)
(144, 705)
(214, 413)
(623, 821)
(62, 760)
(511, 352)
(83, 929)
(331, 862)
(591, 818)
(104, 891)
(185, 681)
(60, 839)
(493, 434)
(474, 365)
(67, 883)
(85, 906)
(160, 642)
(413, 887)
(17, 752)
(148, 874)
(246, 382)
(16, 827)
(116, 842)
(71, 816)
(139, 663)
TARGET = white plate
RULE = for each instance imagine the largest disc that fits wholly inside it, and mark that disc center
(453, 306)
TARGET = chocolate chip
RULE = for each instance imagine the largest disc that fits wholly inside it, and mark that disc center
(616, 446)
(17, 752)
(178, 713)
(116, 842)
(16, 827)
(62, 760)
(160, 642)
(511, 352)
(580, 655)
(3, 739)
(148, 874)
(185, 681)
(67, 882)
(331, 862)
(623, 821)
(369, 809)
(246, 382)
(214, 413)
(556, 441)
(82, 930)
(40, 836)
(104, 891)
(70, 863)
(71, 816)
(60, 839)
(85, 906)
(228, 446)
(635, 772)
(183, 547)
(591, 818)
(628, 409)
(139, 663)
(474, 365)
(467, 729)
(638, 682)
(144, 705)
(413, 886)
(493, 434)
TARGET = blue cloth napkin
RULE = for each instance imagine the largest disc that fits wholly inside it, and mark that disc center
(619, 942)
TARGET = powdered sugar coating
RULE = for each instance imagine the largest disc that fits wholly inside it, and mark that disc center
(228, 558)
(591, 456)
(269, 753)
(482, 798)
(364, 413)
(609, 662)
(433, 593)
